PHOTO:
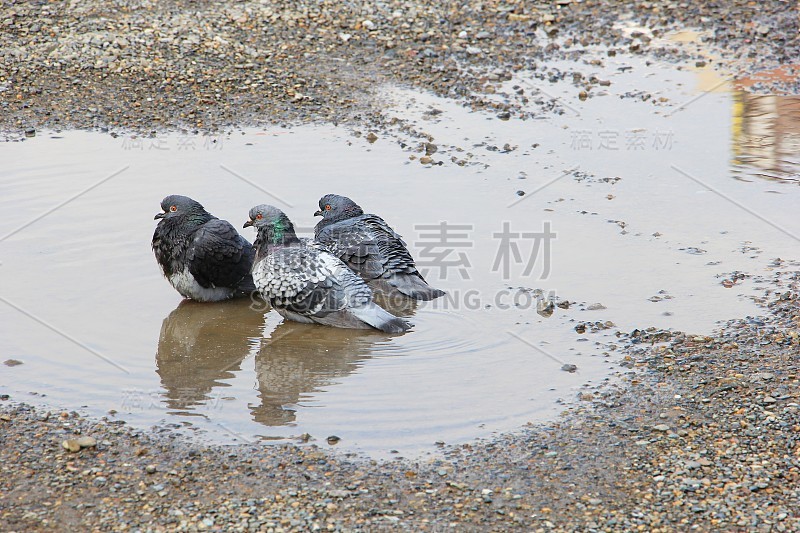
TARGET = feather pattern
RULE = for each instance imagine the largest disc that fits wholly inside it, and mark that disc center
(306, 283)
(371, 248)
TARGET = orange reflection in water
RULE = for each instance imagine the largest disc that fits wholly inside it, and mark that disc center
(766, 129)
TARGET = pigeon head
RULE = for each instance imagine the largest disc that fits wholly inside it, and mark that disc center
(271, 224)
(333, 207)
(182, 209)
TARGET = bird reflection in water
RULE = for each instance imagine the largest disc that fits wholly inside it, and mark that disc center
(201, 346)
(298, 360)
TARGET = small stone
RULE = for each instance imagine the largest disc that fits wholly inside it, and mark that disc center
(71, 445)
(661, 427)
(520, 193)
(583, 95)
(87, 442)
(368, 25)
(333, 439)
(150, 469)
(371, 137)
(595, 307)
(12, 362)
(568, 367)
(425, 160)
(545, 308)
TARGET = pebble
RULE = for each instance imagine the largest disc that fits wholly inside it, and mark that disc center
(86, 442)
(71, 445)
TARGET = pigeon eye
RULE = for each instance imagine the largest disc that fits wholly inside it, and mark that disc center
(327, 207)
(173, 208)
(259, 216)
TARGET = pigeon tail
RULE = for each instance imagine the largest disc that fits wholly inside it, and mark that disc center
(379, 318)
(414, 287)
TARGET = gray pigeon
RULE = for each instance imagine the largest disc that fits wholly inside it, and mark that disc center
(307, 284)
(370, 248)
(203, 257)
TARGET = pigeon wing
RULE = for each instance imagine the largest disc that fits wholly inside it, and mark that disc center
(309, 282)
(394, 255)
(356, 246)
(218, 256)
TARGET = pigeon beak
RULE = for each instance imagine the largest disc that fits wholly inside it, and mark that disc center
(247, 224)
(160, 215)
(318, 213)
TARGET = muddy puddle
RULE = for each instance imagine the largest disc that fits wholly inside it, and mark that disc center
(632, 208)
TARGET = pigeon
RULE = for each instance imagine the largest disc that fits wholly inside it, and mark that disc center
(370, 248)
(305, 283)
(203, 257)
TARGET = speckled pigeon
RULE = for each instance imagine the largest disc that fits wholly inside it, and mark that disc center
(370, 248)
(203, 257)
(306, 283)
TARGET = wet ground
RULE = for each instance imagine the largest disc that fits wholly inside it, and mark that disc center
(633, 181)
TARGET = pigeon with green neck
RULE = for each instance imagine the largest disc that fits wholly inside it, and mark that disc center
(306, 283)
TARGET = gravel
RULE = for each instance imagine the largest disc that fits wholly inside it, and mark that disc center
(146, 65)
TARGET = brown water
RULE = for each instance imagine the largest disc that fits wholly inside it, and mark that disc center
(647, 230)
